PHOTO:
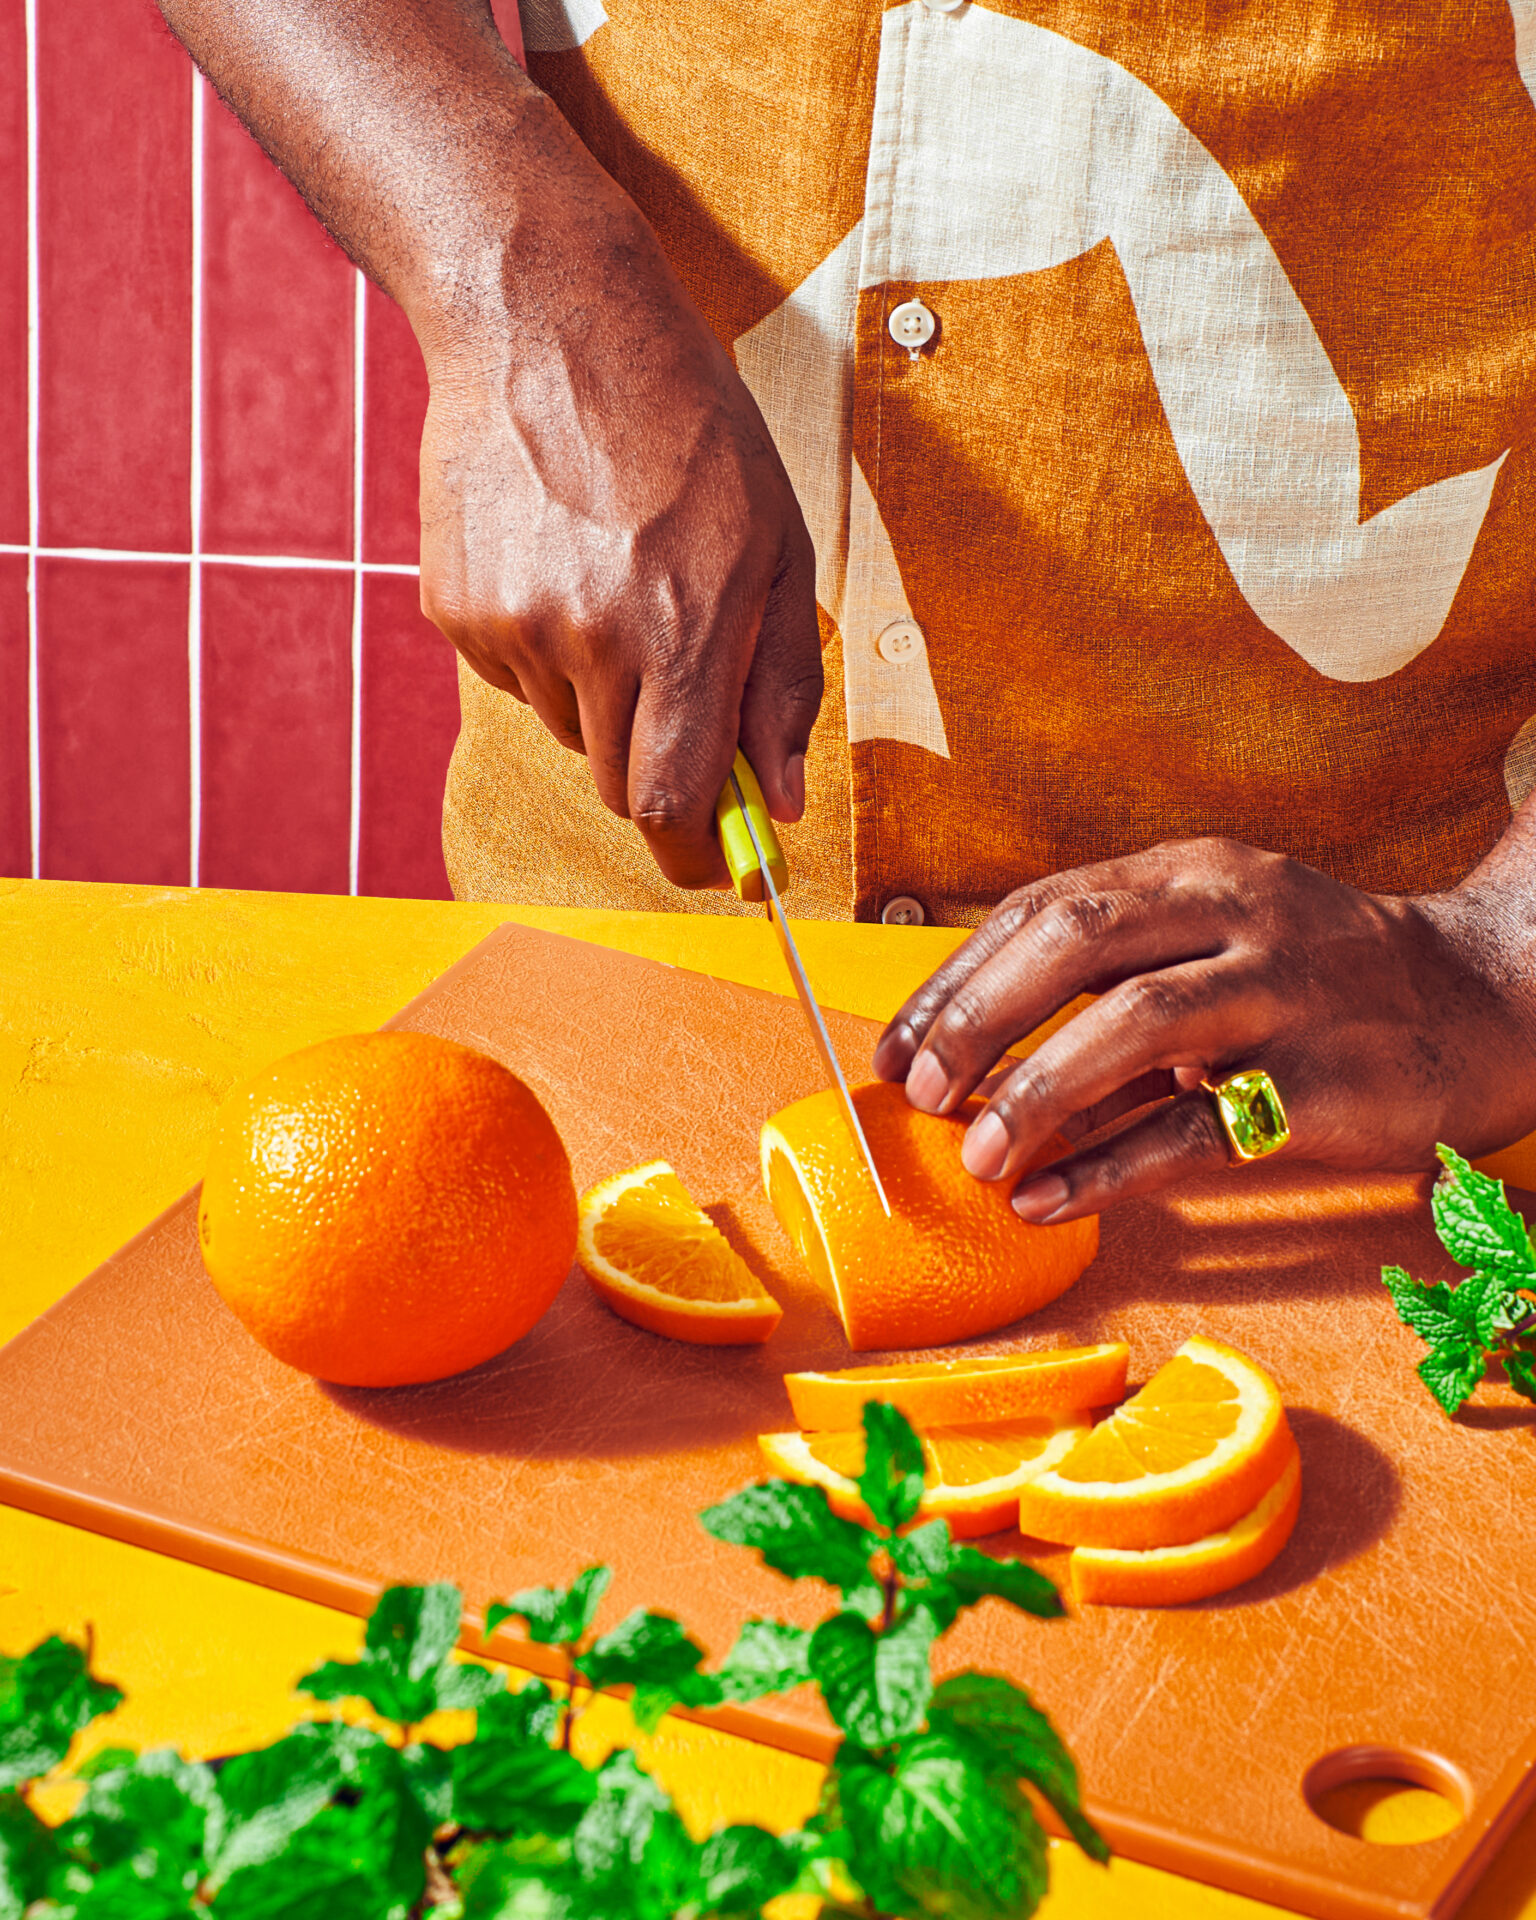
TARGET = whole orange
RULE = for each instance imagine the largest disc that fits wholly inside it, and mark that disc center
(386, 1208)
(953, 1260)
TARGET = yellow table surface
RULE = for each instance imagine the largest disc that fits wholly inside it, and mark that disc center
(125, 1015)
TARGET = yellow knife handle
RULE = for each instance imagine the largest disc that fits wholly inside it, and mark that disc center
(736, 841)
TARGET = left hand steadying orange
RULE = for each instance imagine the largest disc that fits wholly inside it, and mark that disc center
(1386, 1023)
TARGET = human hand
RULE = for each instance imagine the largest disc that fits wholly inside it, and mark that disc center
(608, 532)
(1386, 1023)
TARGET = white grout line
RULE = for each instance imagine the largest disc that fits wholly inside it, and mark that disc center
(280, 562)
(359, 368)
(34, 316)
(195, 465)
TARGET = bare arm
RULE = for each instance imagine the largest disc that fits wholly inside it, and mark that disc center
(607, 529)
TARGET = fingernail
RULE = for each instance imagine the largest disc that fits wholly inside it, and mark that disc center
(1038, 1199)
(927, 1083)
(794, 782)
(985, 1148)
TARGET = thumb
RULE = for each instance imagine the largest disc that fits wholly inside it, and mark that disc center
(782, 695)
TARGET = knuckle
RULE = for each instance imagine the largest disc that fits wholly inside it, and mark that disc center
(1195, 1131)
(1153, 1000)
(665, 813)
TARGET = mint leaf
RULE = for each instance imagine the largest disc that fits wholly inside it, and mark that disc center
(530, 1717)
(265, 1797)
(1452, 1372)
(1020, 1741)
(128, 1891)
(797, 1533)
(359, 1857)
(502, 1788)
(1477, 1226)
(1447, 1315)
(429, 1776)
(154, 1814)
(768, 1657)
(654, 1654)
(938, 1832)
(876, 1685)
(1520, 1367)
(46, 1698)
(405, 1672)
(105, 1760)
(501, 1883)
(554, 1616)
(28, 1853)
(631, 1849)
(891, 1482)
(945, 1576)
(741, 1868)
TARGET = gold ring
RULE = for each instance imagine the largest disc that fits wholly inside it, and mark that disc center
(1251, 1112)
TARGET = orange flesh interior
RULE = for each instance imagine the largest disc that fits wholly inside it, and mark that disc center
(792, 1210)
(1180, 1415)
(656, 1235)
(943, 1369)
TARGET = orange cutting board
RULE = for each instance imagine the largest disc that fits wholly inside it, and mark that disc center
(1402, 1616)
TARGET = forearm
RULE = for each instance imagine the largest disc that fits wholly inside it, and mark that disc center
(422, 148)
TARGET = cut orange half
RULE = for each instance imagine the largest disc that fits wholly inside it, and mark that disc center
(952, 1260)
(661, 1262)
(1203, 1441)
(973, 1473)
(968, 1390)
(1166, 1576)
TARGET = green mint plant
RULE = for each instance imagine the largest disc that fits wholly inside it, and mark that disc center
(924, 1809)
(1490, 1315)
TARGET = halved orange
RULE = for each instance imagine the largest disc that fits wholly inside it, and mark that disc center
(973, 1474)
(1166, 1576)
(968, 1389)
(661, 1262)
(1202, 1442)
(953, 1260)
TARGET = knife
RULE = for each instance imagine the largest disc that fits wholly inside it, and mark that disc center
(758, 872)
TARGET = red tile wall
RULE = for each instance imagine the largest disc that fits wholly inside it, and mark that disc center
(15, 767)
(114, 719)
(13, 275)
(278, 300)
(231, 682)
(277, 728)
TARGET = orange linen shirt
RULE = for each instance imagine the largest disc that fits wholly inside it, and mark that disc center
(1207, 503)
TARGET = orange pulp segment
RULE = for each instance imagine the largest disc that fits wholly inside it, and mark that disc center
(658, 1260)
(1167, 1576)
(968, 1389)
(973, 1474)
(1195, 1449)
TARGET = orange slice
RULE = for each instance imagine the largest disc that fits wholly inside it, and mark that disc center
(661, 1262)
(964, 1391)
(973, 1473)
(953, 1260)
(1165, 1576)
(1203, 1441)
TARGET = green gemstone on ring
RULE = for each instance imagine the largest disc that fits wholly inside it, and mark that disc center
(1252, 1113)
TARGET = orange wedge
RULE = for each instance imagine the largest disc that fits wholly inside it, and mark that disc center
(1203, 1442)
(1165, 1576)
(966, 1391)
(661, 1262)
(953, 1260)
(973, 1473)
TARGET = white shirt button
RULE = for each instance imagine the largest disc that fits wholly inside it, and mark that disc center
(901, 643)
(903, 911)
(943, 6)
(911, 326)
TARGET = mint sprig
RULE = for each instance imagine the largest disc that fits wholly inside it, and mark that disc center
(923, 1812)
(1490, 1315)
